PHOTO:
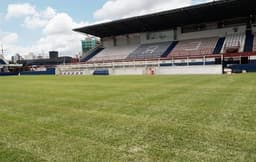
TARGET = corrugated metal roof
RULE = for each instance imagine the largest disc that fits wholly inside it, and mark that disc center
(212, 11)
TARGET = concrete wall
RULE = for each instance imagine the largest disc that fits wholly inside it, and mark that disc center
(185, 70)
(127, 71)
(156, 37)
(121, 40)
(157, 70)
(134, 39)
(168, 35)
(108, 42)
(172, 70)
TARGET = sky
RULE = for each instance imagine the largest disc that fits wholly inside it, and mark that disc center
(39, 26)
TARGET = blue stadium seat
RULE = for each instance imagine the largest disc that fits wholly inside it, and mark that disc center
(150, 51)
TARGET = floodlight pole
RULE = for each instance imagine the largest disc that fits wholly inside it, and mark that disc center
(2, 50)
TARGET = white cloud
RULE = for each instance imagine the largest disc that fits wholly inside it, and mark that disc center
(1, 17)
(7, 39)
(33, 18)
(61, 23)
(57, 35)
(48, 13)
(114, 9)
(66, 44)
(39, 19)
(20, 10)
(56, 29)
(34, 22)
(10, 38)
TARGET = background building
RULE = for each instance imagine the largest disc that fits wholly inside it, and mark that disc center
(16, 58)
(89, 43)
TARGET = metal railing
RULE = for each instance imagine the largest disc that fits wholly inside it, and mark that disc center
(172, 61)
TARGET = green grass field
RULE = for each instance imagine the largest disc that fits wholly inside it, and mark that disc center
(137, 118)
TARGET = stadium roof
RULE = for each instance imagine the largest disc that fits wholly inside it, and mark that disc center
(212, 11)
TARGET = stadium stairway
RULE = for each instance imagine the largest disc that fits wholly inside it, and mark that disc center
(248, 46)
(170, 48)
(91, 54)
(219, 45)
(254, 43)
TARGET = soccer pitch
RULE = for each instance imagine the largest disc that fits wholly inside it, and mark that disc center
(136, 118)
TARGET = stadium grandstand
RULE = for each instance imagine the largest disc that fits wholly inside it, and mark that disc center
(6, 69)
(42, 66)
(201, 39)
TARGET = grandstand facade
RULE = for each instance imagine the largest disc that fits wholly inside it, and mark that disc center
(200, 39)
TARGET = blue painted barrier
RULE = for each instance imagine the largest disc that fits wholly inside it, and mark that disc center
(101, 72)
(239, 68)
(8, 73)
(50, 71)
